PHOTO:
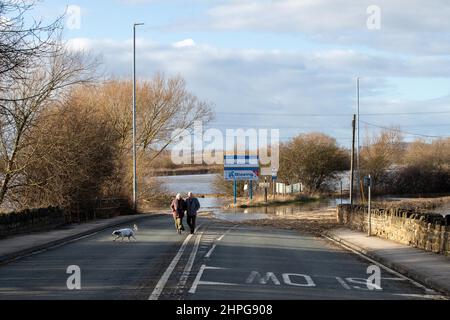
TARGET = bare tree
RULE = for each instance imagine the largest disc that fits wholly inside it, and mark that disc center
(313, 159)
(72, 162)
(23, 40)
(380, 152)
(163, 105)
(25, 101)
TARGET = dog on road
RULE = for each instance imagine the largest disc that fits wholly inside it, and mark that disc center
(125, 233)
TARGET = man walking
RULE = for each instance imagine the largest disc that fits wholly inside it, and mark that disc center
(192, 207)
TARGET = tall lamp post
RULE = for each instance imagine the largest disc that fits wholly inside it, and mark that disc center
(135, 187)
(358, 185)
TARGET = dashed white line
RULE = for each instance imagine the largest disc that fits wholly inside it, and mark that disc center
(229, 230)
(210, 252)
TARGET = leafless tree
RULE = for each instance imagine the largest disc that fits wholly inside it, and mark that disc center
(313, 159)
(380, 152)
(23, 40)
(163, 105)
(25, 101)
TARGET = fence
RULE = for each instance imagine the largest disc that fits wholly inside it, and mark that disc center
(33, 220)
(282, 188)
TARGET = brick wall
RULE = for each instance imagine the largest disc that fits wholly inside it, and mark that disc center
(31, 221)
(425, 231)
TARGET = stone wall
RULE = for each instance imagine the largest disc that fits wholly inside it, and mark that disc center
(425, 231)
(31, 221)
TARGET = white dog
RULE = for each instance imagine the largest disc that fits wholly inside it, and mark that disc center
(125, 233)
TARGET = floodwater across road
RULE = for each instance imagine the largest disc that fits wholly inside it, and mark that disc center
(204, 185)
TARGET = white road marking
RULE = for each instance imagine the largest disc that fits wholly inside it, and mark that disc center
(394, 279)
(343, 283)
(210, 252)
(165, 277)
(188, 268)
(255, 275)
(287, 277)
(198, 282)
(421, 296)
(430, 291)
(229, 230)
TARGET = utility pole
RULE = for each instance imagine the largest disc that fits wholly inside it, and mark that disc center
(352, 178)
(369, 229)
(358, 184)
(135, 187)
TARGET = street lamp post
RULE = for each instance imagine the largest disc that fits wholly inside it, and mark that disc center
(135, 187)
(358, 185)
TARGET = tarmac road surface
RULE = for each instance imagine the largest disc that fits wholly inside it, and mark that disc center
(222, 261)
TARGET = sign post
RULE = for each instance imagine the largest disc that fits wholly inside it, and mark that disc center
(241, 168)
(274, 180)
(235, 191)
(265, 190)
(368, 183)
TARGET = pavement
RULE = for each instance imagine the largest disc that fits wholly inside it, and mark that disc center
(24, 244)
(425, 267)
(222, 261)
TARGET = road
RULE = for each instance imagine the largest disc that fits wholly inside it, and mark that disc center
(222, 261)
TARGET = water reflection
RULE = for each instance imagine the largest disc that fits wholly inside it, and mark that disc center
(198, 184)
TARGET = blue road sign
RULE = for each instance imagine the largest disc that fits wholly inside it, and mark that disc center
(241, 168)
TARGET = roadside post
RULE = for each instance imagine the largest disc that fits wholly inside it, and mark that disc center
(274, 181)
(368, 183)
(265, 190)
(235, 191)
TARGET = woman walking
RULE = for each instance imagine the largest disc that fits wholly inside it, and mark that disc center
(178, 207)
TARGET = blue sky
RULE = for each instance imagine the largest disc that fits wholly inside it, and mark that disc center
(284, 64)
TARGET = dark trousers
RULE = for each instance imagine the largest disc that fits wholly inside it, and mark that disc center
(191, 222)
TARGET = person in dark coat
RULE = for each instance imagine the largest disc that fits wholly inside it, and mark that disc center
(192, 207)
(178, 207)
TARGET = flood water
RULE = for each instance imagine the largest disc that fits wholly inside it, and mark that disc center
(204, 185)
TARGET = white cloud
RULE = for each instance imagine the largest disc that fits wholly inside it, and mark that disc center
(407, 26)
(184, 43)
(274, 81)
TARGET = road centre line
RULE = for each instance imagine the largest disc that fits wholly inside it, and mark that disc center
(229, 230)
(210, 252)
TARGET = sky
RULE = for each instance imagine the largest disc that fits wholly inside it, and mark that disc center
(285, 64)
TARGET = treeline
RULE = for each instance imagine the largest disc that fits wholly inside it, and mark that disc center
(66, 134)
(395, 166)
(415, 168)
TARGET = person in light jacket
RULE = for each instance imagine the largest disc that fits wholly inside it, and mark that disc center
(178, 207)
(192, 207)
